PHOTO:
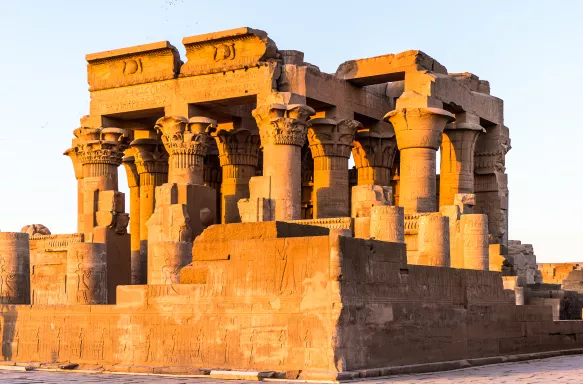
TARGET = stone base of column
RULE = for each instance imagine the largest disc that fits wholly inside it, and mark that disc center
(433, 240)
(87, 273)
(387, 223)
(364, 197)
(15, 272)
(474, 237)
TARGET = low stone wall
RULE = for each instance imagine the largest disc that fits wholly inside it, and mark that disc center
(318, 304)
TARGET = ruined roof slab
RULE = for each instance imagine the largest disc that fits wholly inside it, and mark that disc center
(227, 50)
(387, 68)
(133, 65)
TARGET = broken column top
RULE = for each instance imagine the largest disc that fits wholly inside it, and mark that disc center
(387, 68)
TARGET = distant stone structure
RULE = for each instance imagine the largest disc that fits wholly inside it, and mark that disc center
(252, 245)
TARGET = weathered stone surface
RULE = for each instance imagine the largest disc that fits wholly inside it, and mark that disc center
(14, 268)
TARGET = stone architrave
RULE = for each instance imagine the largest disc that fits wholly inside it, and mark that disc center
(474, 238)
(187, 143)
(282, 128)
(387, 223)
(14, 268)
(433, 240)
(151, 161)
(374, 152)
(330, 142)
(419, 134)
(457, 157)
(134, 186)
(87, 273)
(238, 147)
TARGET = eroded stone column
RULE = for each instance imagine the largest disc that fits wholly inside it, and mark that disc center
(457, 157)
(187, 143)
(151, 160)
(87, 273)
(374, 152)
(14, 268)
(474, 236)
(282, 128)
(433, 240)
(238, 155)
(134, 186)
(418, 132)
(330, 143)
(387, 223)
(78, 167)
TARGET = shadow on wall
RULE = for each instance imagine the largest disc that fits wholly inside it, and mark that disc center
(9, 315)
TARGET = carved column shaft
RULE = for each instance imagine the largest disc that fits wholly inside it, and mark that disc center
(330, 143)
(78, 167)
(14, 268)
(283, 133)
(238, 156)
(457, 161)
(418, 132)
(134, 186)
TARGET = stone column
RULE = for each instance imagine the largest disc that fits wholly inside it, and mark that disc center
(238, 155)
(433, 240)
(474, 234)
(151, 162)
(457, 157)
(134, 186)
(14, 268)
(78, 167)
(330, 143)
(418, 132)
(387, 223)
(283, 132)
(374, 152)
(187, 143)
(87, 273)
(100, 152)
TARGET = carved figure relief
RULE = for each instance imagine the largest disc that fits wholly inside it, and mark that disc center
(224, 52)
(132, 66)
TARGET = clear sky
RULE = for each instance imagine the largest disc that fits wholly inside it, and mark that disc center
(530, 51)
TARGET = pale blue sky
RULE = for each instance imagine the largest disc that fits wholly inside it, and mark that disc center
(530, 51)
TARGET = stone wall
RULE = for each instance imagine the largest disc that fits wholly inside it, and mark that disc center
(273, 299)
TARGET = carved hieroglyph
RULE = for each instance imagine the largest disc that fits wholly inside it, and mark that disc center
(433, 240)
(330, 143)
(14, 268)
(87, 273)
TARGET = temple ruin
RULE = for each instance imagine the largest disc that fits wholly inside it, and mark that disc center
(280, 219)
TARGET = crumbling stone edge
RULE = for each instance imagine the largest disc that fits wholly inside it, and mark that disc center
(312, 376)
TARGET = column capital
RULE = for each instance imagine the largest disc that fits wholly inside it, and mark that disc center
(419, 127)
(329, 137)
(283, 124)
(374, 149)
(186, 137)
(97, 146)
(237, 145)
(150, 156)
(131, 169)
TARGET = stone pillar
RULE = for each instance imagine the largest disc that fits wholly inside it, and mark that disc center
(433, 240)
(151, 160)
(100, 152)
(78, 167)
(14, 268)
(457, 157)
(374, 152)
(474, 234)
(238, 155)
(282, 128)
(419, 132)
(134, 186)
(87, 273)
(187, 143)
(330, 143)
(387, 223)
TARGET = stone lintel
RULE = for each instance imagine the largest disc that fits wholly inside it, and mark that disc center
(227, 50)
(133, 65)
(387, 68)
